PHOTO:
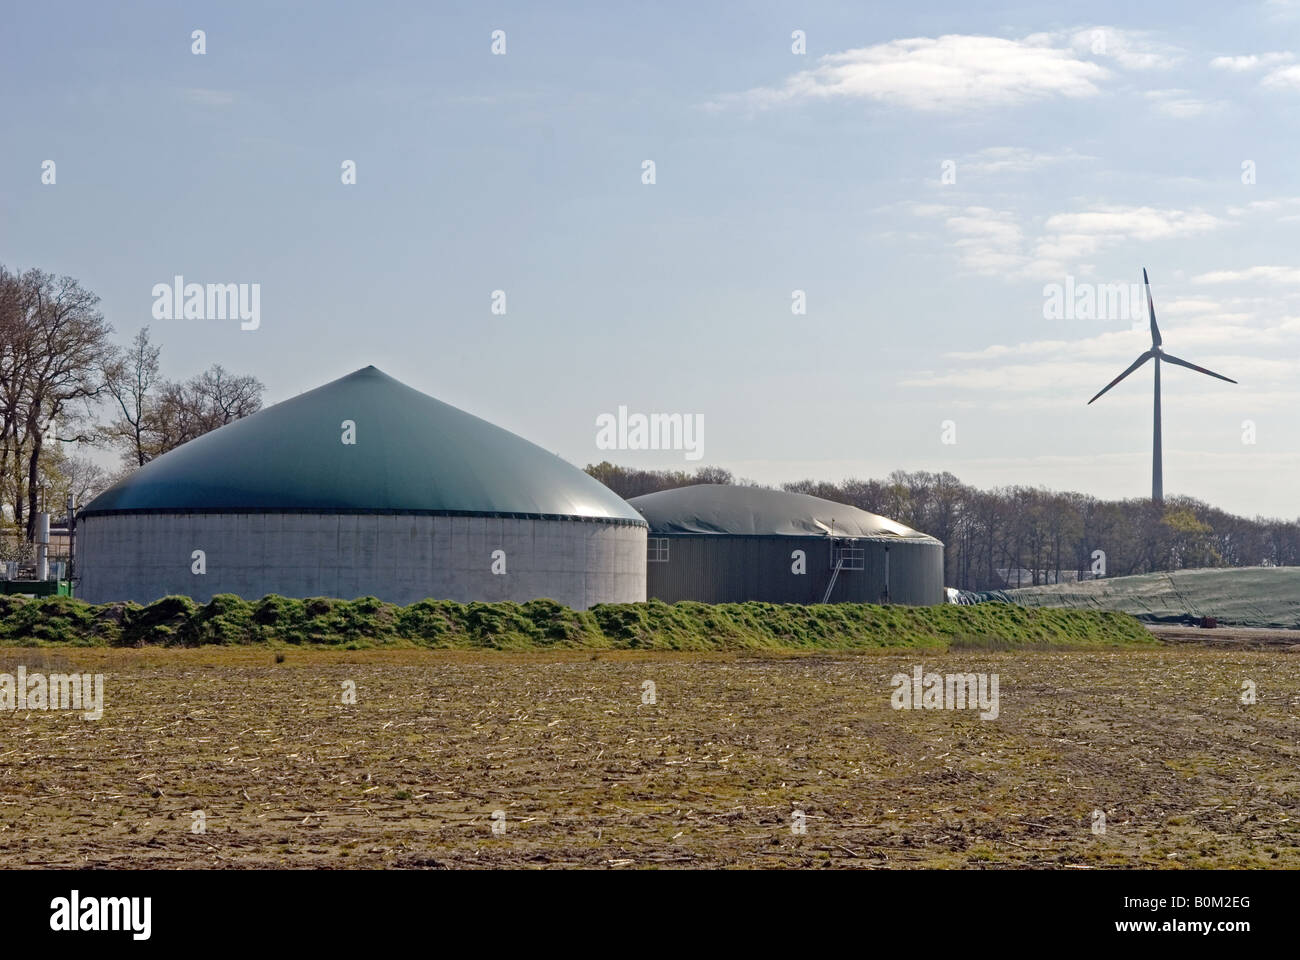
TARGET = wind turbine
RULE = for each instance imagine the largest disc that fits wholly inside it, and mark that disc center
(1156, 354)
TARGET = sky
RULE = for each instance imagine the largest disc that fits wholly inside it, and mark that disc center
(920, 177)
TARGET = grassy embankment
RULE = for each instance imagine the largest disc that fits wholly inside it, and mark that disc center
(542, 624)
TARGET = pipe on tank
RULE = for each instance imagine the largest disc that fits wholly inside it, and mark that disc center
(42, 546)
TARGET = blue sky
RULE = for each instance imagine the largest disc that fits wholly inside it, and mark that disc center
(1081, 141)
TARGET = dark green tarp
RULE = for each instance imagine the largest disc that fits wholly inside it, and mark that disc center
(1235, 596)
(412, 454)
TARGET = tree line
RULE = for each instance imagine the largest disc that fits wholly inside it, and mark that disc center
(1026, 536)
(64, 380)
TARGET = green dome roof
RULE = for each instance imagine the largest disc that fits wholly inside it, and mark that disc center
(759, 512)
(413, 454)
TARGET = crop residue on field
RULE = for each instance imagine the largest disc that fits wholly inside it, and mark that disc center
(491, 759)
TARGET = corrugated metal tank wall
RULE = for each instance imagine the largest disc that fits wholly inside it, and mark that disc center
(721, 568)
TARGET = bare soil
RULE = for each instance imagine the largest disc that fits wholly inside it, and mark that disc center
(710, 775)
(1242, 638)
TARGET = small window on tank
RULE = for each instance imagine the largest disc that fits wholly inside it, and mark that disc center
(656, 550)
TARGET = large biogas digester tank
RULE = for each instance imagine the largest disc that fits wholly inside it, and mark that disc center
(362, 487)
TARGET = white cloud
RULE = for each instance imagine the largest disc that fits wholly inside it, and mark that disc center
(1180, 103)
(1249, 62)
(947, 73)
(1076, 381)
(1286, 78)
(1271, 274)
(1064, 376)
(1276, 205)
(1075, 372)
(1106, 224)
(931, 209)
(992, 241)
(1111, 343)
(994, 160)
(1255, 348)
(1131, 49)
(1190, 306)
(987, 240)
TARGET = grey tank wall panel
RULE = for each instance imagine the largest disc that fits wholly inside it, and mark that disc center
(400, 558)
(716, 568)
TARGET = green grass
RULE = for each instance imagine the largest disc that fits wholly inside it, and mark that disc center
(541, 624)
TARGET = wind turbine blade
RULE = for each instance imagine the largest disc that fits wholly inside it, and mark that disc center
(1192, 366)
(1151, 309)
(1136, 363)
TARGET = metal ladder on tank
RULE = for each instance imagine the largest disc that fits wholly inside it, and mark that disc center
(846, 558)
(839, 565)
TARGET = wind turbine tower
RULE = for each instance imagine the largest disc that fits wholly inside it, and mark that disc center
(1157, 354)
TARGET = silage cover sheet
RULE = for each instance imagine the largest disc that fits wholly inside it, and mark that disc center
(1235, 596)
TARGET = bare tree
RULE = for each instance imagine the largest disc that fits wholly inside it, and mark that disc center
(210, 400)
(15, 350)
(630, 482)
(56, 360)
(79, 478)
(55, 343)
(129, 378)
